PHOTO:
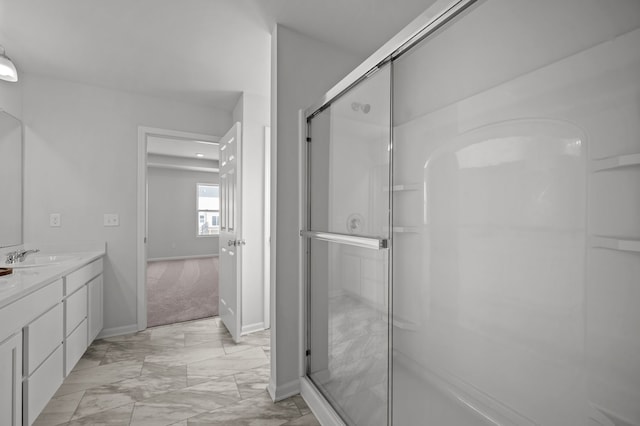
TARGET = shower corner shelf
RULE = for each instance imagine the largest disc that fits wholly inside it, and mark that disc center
(619, 244)
(405, 187)
(617, 162)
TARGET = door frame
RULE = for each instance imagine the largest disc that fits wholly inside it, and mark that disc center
(142, 214)
(267, 228)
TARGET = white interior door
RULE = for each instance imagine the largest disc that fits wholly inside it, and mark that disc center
(231, 241)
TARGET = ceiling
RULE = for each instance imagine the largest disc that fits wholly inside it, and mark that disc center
(174, 147)
(202, 52)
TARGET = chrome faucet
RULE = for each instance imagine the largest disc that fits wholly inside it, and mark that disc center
(19, 256)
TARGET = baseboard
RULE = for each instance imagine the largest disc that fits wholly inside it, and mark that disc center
(271, 388)
(325, 414)
(117, 331)
(278, 393)
(200, 256)
(252, 328)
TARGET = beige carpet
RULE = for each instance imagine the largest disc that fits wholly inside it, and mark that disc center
(181, 290)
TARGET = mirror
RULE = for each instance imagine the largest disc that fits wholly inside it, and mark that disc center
(11, 163)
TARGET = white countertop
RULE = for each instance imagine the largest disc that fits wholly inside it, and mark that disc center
(24, 281)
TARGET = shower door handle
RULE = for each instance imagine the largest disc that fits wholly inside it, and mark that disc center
(351, 240)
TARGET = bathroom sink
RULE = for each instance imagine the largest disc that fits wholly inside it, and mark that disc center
(43, 260)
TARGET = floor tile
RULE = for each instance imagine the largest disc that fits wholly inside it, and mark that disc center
(119, 416)
(192, 338)
(86, 363)
(259, 410)
(301, 404)
(187, 355)
(171, 407)
(183, 374)
(306, 420)
(105, 373)
(59, 410)
(99, 400)
(252, 382)
(225, 365)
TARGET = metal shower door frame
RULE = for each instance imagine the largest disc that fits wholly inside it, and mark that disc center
(439, 14)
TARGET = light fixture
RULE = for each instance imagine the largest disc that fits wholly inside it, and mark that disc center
(199, 155)
(8, 71)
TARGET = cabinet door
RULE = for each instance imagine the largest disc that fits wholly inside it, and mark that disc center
(75, 346)
(75, 310)
(11, 381)
(40, 387)
(41, 338)
(95, 307)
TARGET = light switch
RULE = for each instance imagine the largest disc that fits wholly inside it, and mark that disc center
(54, 220)
(111, 219)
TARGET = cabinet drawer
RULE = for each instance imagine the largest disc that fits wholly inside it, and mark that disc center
(75, 346)
(42, 337)
(75, 310)
(22, 311)
(40, 387)
(78, 278)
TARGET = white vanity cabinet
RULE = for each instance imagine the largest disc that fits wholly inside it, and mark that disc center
(83, 306)
(44, 331)
(42, 349)
(32, 353)
(11, 381)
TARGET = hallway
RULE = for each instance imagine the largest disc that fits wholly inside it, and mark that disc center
(183, 374)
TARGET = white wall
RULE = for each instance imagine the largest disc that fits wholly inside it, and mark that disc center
(253, 112)
(11, 97)
(81, 162)
(303, 69)
(171, 216)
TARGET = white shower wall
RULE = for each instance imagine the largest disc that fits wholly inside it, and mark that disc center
(507, 308)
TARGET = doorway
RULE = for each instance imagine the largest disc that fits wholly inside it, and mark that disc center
(177, 222)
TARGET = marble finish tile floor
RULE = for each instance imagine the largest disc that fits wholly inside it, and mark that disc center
(185, 374)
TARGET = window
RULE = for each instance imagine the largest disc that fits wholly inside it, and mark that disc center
(208, 205)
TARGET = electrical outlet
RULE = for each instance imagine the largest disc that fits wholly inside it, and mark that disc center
(111, 219)
(54, 220)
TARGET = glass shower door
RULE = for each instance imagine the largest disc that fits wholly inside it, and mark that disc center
(347, 264)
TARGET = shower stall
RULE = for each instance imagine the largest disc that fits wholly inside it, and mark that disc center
(470, 226)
